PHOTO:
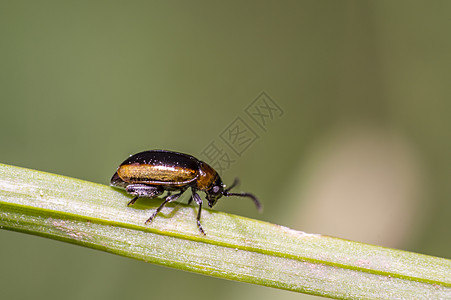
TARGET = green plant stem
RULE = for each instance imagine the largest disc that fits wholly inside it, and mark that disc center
(235, 247)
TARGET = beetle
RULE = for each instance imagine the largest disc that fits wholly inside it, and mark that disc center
(149, 174)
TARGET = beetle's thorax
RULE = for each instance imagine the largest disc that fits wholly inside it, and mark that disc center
(207, 176)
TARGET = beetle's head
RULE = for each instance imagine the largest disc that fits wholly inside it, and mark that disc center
(215, 192)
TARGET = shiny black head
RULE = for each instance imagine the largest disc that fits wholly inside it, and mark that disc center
(218, 190)
(215, 192)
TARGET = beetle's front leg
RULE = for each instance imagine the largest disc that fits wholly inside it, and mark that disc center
(198, 200)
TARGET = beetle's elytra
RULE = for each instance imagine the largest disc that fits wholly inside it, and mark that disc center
(150, 173)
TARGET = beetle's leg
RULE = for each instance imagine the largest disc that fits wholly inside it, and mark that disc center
(166, 201)
(198, 200)
(143, 190)
(133, 201)
(190, 200)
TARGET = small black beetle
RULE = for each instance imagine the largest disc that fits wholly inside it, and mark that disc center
(151, 173)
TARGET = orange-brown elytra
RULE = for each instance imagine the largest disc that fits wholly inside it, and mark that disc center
(150, 173)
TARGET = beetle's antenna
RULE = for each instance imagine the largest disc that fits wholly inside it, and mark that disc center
(256, 202)
(234, 184)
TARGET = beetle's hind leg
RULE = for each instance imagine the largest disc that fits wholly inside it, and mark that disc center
(198, 200)
(167, 199)
(143, 191)
(132, 201)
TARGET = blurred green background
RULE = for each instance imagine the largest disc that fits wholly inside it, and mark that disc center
(362, 150)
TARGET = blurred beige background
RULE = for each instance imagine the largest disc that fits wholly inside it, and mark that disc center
(362, 150)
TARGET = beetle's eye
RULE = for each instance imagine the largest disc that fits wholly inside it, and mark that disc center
(216, 189)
